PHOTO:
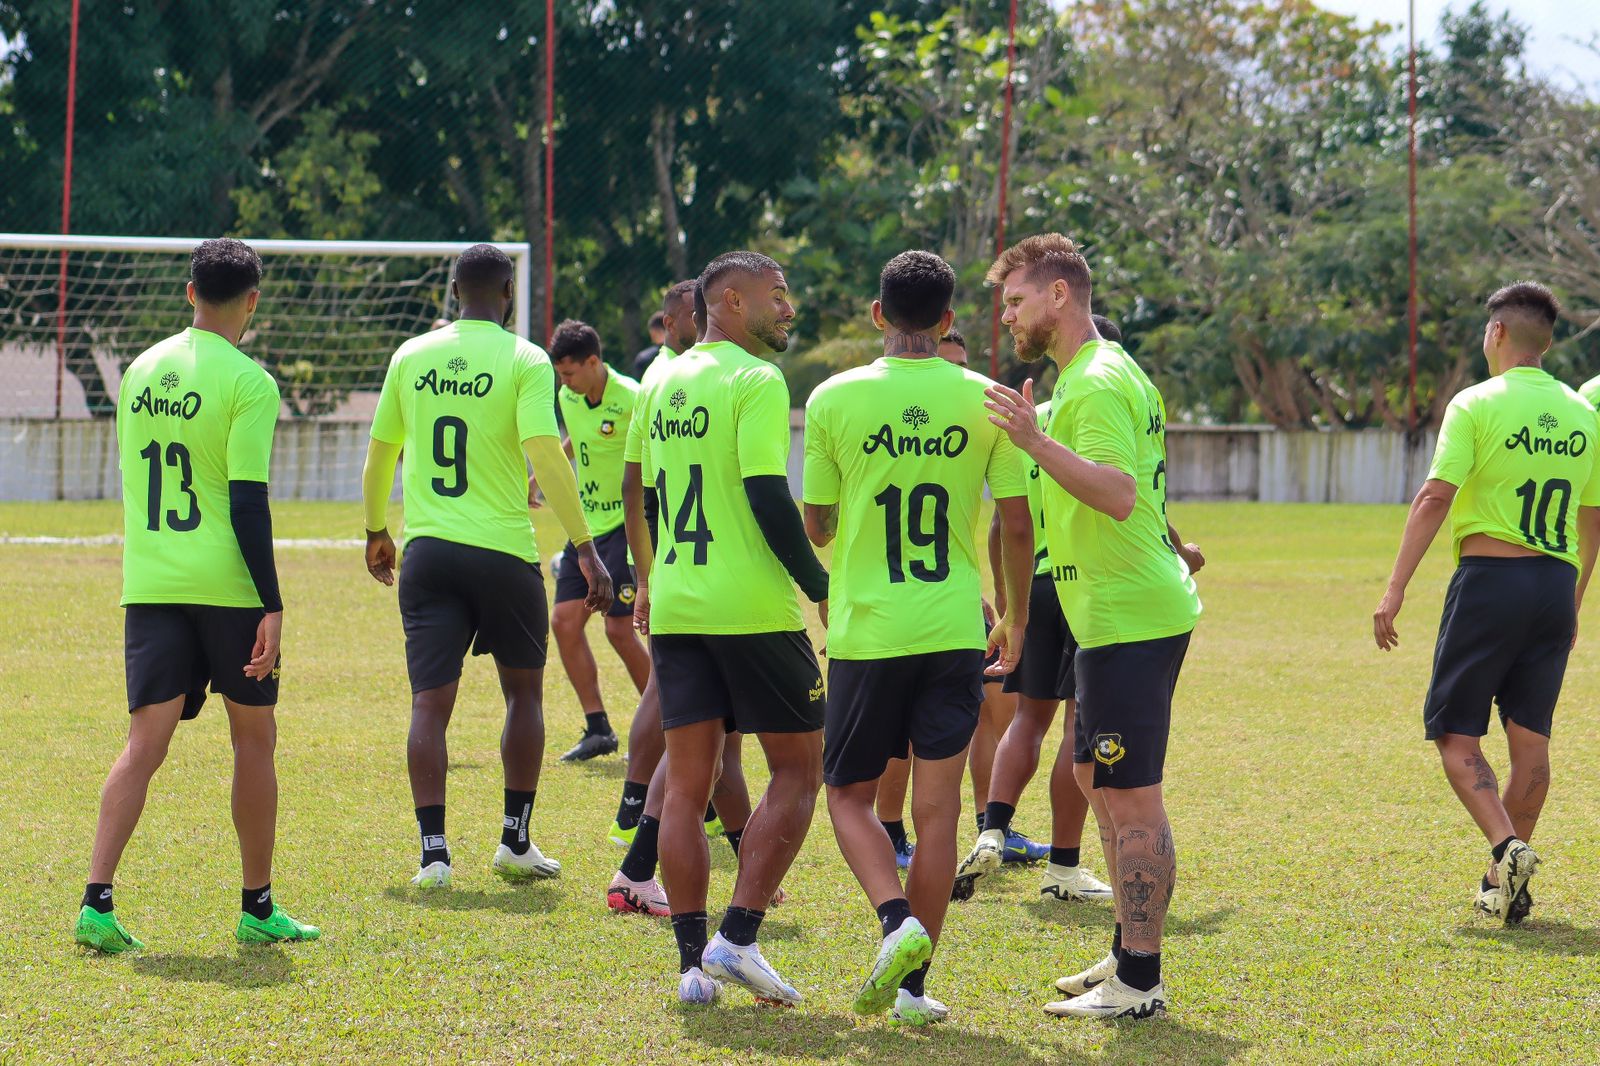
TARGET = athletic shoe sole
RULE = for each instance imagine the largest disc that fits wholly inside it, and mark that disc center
(878, 992)
(624, 901)
(1524, 863)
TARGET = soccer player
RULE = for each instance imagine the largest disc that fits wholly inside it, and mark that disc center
(727, 638)
(465, 405)
(897, 454)
(1125, 592)
(597, 406)
(1515, 469)
(195, 420)
(1590, 390)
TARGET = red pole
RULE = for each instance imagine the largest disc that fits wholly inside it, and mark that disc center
(1411, 250)
(549, 169)
(66, 208)
(1005, 180)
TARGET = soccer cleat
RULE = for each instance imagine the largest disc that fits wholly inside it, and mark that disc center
(916, 1010)
(1019, 848)
(695, 989)
(1072, 884)
(778, 896)
(984, 858)
(902, 854)
(277, 928)
(103, 932)
(1490, 902)
(529, 865)
(590, 746)
(1513, 871)
(433, 875)
(638, 897)
(714, 828)
(744, 966)
(1093, 977)
(902, 952)
(1113, 999)
(622, 837)
(1520, 907)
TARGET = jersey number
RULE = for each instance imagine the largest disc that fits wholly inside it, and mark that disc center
(937, 538)
(693, 509)
(177, 457)
(450, 453)
(1536, 527)
(583, 453)
(1156, 486)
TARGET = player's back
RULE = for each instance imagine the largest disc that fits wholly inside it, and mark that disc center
(904, 446)
(714, 416)
(461, 400)
(193, 413)
(1521, 447)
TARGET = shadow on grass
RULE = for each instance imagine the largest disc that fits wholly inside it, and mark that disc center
(537, 897)
(615, 768)
(1101, 915)
(1551, 936)
(251, 967)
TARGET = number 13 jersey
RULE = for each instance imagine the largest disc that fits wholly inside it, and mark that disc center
(714, 416)
(1521, 448)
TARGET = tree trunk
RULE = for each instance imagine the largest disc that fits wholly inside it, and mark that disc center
(663, 150)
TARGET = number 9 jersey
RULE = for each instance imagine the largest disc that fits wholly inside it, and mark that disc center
(1521, 448)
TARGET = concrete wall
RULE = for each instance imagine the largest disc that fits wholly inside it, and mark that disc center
(41, 459)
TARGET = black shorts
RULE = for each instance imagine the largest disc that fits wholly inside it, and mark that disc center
(1125, 707)
(612, 548)
(1504, 638)
(175, 649)
(751, 682)
(1045, 670)
(455, 596)
(880, 708)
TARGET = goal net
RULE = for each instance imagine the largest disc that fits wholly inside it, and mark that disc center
(75, 311)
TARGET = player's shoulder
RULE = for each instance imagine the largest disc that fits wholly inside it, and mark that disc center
(625, 383)
(839, 386)
(525, 351)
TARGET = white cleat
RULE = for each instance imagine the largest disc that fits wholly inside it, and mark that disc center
(744, 966)
(525, 867)
(917, 1010)
(1093, 977)
(1514, 870)
(1112, 999)
(1073, 884)
(986, 857)
(695, 989)
(433, 875)
(1490, 902)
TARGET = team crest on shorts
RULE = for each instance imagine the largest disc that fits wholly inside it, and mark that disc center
(1108, 749)
(625, 594)
(607, 428)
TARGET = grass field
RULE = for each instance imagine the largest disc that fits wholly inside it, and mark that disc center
(1322, 912)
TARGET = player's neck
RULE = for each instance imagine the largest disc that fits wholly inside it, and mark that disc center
(1070, 339)
(715, 333)
(898, 345)
(1519, 361)
(229, 327)
(484, 313)
(597, 393)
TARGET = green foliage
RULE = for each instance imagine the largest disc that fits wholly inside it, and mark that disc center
(320, 187)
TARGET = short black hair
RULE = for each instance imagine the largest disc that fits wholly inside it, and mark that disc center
(700, 301)
(1529, 298)
(574, 340)
(954, 337)
(1107, 328)
(915, 289)
(657, 321)
(753, 263)
(223, 270)
(677, 294)
(483, 269)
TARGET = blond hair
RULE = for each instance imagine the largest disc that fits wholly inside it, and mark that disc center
(1045, 257)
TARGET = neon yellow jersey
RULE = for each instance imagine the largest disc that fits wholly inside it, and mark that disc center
(1590, 390)
(1521, 450)
(1041, 547)
(904, 447)
(461, 400)
(715, 416)
(599, 433)
(193, 414)
(637, 429)
(1119, 582)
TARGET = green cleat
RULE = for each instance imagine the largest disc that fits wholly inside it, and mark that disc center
(714, 828)
(104, 933)
(902, 951)
(276, 929)
(620, 836)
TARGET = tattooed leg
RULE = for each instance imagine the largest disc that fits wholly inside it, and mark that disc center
(1473, 780)
(1529, 780)
(1146, 866)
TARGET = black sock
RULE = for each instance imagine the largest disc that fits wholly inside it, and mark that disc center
(596, 724)
(640, 862)
(430, 823)
(1139, 969)
(998, 816)
(514, 830)
(711, 812)
(1486, 885)
(1064, 856)
(257, 902)
(892, 912)
(1116, 942)
(897, 833)
(980, 821)
(734, 836)
(916, 982)
(690, 931)
(631, 809)
(97, 895)
(1499, 850)
(740, 925)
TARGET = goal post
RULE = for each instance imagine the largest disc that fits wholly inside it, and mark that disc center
(75, 311)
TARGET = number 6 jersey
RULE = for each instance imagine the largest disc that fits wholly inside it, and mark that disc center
(1521, 448)
(193, 413)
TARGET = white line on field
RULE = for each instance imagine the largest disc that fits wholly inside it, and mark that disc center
(109, 540)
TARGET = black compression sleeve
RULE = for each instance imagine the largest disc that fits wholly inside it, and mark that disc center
(652, 514)
(252, 527)
(780, 524)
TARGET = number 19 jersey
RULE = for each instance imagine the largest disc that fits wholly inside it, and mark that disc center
(714, 416)
(904, 447)
(1521, 448)
(460, 401)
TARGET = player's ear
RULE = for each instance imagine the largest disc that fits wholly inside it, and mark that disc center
(877, 316)
(190, 290)
(253, 299)
(947, 320)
